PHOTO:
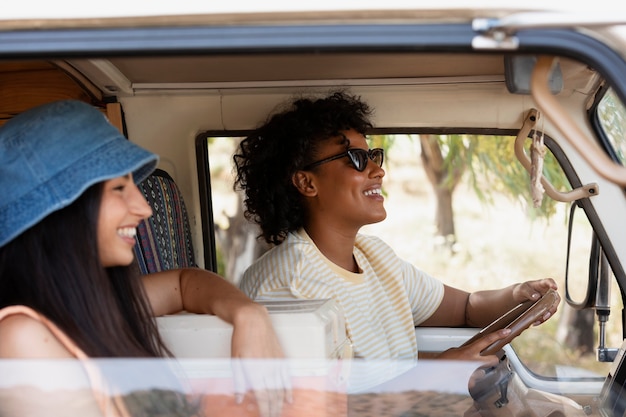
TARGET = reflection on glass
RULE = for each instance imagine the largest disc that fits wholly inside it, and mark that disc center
(194, 387)
(578, 262)
(199, 387)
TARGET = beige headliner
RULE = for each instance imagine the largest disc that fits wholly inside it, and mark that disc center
(305, 67)
(131, 76)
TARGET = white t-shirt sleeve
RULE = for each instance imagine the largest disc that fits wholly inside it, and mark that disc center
(424, 291)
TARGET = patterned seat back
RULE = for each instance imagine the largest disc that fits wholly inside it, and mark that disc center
(164, 239)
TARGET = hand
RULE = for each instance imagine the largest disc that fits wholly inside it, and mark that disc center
(259, 362)
(533, 290)
(471, 351)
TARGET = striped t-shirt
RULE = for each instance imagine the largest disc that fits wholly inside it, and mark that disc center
(382, 304)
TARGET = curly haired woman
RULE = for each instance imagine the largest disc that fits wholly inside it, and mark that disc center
(311, 182)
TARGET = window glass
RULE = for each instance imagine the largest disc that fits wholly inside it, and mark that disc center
(188, 387)
(612, 117)
(484, 234)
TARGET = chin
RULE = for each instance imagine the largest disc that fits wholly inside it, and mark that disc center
(128, 261)
(378, 218)
(121, 261)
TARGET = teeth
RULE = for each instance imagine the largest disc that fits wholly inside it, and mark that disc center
(127, 232)
(373, 192)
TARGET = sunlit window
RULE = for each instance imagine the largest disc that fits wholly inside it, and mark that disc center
(612, 117)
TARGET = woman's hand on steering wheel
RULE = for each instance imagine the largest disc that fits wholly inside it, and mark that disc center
(472, 351)
(534, 290)
(516, 321)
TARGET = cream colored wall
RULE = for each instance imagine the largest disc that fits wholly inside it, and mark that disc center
(168, 125)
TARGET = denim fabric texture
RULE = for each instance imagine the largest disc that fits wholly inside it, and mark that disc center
(51, 154)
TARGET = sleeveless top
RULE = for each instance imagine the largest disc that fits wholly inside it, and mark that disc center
(111, 406)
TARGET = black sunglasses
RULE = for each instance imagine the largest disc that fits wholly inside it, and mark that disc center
(358, 157)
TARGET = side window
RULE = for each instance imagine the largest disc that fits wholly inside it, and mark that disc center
(576, 327)
(499, 239)
(459, 208)
(236, 239)
(612, 118)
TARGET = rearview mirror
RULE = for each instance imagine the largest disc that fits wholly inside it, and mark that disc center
(580, 289)
(518, 70)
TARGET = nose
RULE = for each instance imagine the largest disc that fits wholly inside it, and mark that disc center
(375, 170)
(138, 204)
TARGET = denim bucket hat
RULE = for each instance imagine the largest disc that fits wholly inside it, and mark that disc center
(51, 154)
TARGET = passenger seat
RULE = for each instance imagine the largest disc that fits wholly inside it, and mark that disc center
(164, 239)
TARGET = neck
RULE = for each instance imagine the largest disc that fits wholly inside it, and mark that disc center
(336, 245)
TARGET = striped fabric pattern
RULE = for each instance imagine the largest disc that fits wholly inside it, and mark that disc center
(164, 239)
(382, 304)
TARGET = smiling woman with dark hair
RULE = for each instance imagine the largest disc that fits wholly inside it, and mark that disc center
(311, 182)
(68, 221)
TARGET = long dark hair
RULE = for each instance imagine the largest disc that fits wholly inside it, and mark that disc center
(54, 268)
(267, 159)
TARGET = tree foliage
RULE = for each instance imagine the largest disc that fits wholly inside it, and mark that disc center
(612, 116)
(491, 167)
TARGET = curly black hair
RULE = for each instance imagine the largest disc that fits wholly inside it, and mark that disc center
(289, 140)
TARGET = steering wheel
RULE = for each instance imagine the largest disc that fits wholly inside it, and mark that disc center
(517, 319)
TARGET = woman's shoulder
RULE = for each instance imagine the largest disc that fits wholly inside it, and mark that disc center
(371, 243)
(294, 246)
(379, 254)
(285, 260)
(23, 335)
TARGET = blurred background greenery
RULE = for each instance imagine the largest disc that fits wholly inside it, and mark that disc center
(498, 237)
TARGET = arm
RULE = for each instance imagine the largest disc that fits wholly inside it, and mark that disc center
(459, 308)
(478, 309)
(202, 291)
(483, 307)
(194, 290)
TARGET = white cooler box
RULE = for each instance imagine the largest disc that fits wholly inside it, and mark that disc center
(305, 328)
